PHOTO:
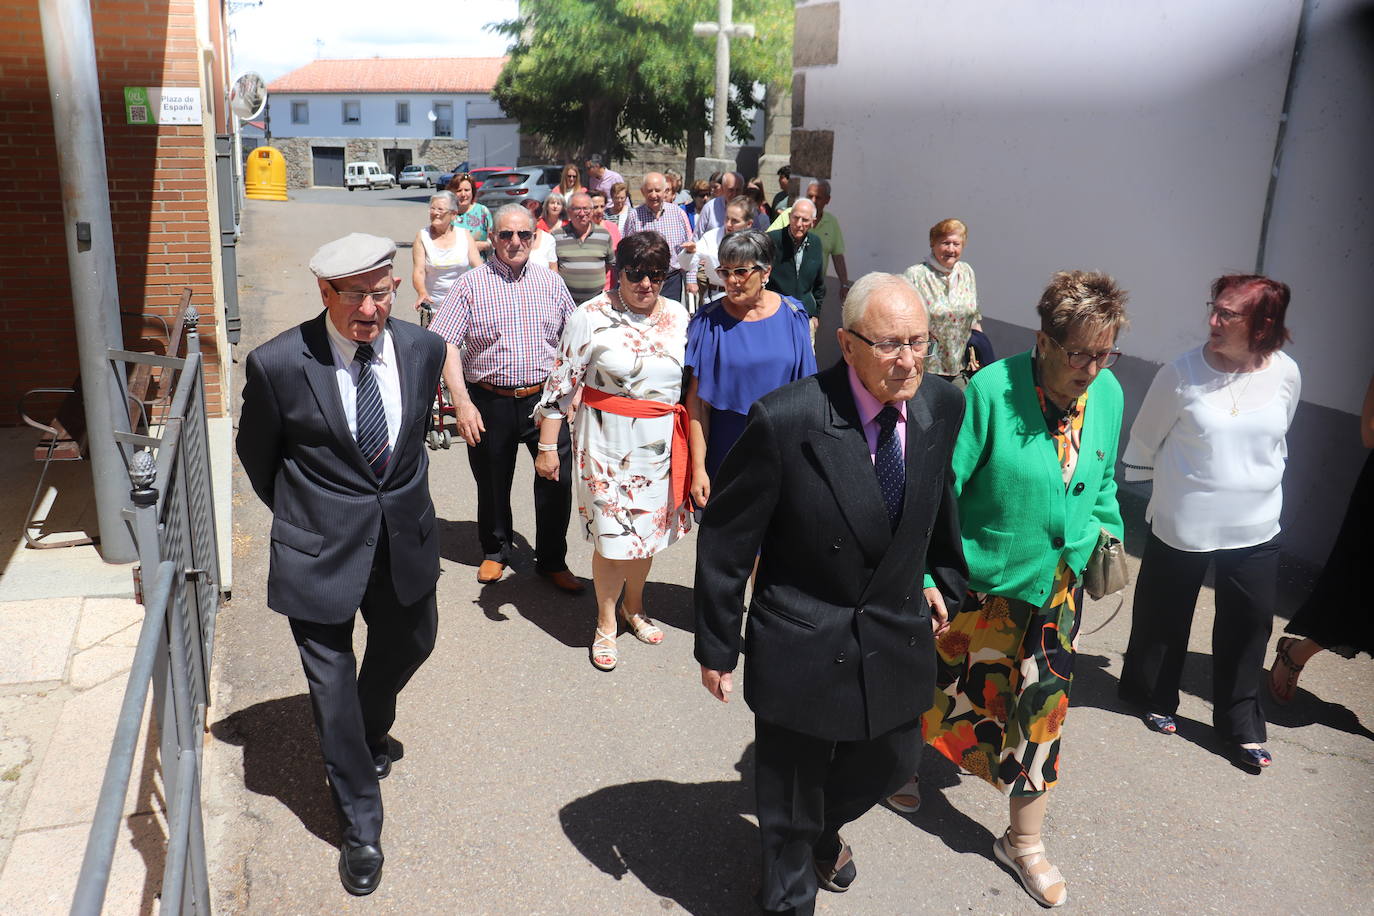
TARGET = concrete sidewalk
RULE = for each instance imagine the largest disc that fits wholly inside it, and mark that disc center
(69, 624)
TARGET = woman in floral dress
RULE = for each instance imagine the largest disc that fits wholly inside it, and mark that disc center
(947, 285)
(625, 349)
(1034, 470)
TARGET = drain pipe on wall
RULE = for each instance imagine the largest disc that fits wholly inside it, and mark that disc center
(69, 50)
(1299, 43)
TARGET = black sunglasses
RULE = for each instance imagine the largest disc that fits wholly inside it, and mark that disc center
(505, 234)
(634, 276)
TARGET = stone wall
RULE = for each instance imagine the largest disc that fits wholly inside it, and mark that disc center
(444, 152)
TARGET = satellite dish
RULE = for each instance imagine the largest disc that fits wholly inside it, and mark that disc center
(431, 115)
(248, 96)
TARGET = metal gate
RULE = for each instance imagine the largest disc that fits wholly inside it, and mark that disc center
(329, 166)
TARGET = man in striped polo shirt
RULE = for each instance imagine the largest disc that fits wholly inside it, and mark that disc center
(585, 251)
(502, 323)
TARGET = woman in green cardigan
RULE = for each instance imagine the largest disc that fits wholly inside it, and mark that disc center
(1034, 471)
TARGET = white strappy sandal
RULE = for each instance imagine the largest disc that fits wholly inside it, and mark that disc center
(604, 647)
(1020, 859)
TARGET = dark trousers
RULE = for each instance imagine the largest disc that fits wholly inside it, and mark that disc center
(672, 286)
(354, 709)
(1165, 596)
(807, 788)
(493, 468)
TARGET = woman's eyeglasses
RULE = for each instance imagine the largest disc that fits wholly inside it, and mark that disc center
(738, 273)
(634, 276)
(1225, 316)
(891, 349)
(1079, 359)
(524, 234)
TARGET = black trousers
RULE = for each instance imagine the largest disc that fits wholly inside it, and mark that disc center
(807, 788)
(1165, 597)
(492, 460)
(354, 709)
(672, 286)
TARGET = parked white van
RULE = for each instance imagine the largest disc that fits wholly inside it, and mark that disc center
(367, 175)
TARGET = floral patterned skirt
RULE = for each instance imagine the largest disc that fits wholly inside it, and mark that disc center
(1004, 668)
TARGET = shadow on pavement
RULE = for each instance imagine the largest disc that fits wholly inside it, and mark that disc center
(281, 759)
(687, 842)
(939, 818)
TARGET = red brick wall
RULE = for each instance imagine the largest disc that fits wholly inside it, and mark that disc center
(158, 182)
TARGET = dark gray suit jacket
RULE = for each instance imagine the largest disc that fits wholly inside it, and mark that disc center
(838, 642)
(327, 505)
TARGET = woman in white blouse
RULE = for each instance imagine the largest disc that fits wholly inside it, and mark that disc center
(947, 285)
(1212, 434)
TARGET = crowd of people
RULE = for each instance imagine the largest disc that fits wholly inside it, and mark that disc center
(915, 521)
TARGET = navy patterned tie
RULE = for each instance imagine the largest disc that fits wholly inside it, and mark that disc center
(371, 416)
(890, 465)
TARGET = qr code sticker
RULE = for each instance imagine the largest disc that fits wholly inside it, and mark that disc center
(138, 114)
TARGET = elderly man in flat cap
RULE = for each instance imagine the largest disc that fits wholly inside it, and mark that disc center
(332, 438)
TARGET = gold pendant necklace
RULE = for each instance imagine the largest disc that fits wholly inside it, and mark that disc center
(1237, 397)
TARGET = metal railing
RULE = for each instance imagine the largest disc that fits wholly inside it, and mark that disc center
(177, 581)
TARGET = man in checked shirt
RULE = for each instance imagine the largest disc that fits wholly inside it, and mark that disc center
(506, 317)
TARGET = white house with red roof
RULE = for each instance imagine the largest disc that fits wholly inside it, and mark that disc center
(393, 111)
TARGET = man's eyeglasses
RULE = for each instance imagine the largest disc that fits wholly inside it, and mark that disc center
(634, 276)
(1225, 316)
(891, 349)
(738, 273)
(580, 209)
(524, 234)
(353, 298)
(1079, 359)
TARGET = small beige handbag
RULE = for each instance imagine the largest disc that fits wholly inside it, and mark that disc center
(1106, 573)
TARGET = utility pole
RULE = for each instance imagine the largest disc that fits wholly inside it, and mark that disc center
(723, 29)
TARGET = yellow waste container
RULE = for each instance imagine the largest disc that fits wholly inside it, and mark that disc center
(265, 174)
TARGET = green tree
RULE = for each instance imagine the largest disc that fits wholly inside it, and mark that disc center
(593, 76)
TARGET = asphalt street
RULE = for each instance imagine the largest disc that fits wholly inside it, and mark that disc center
(532, 783)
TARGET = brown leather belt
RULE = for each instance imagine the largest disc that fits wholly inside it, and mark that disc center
(512, 392)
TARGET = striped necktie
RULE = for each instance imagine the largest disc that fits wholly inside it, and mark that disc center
(371, 416)
(890, 465)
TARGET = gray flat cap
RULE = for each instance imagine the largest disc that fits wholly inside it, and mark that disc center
(355, 253)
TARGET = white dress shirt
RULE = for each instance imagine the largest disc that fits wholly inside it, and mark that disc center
(383, 370)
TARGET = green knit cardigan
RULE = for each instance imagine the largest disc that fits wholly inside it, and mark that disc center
(1016, 515)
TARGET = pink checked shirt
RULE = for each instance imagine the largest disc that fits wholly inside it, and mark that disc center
(671, 223)
(509, 323)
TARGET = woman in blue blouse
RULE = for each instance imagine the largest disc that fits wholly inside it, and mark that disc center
(750, 342)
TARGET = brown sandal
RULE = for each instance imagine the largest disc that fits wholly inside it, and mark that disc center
(1283, 655)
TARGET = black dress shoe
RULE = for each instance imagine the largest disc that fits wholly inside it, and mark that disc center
(360, 869)
(382, 759)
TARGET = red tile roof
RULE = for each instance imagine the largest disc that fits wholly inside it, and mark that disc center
(383, 74)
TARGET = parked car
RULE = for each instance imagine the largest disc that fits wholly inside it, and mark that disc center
(421, 175)
(478, 174)
(533, 182)
(367, 175)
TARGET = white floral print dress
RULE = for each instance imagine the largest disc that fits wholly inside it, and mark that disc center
(622, 465)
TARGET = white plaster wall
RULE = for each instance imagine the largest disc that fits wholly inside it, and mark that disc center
(378, 111)
(1129, 137)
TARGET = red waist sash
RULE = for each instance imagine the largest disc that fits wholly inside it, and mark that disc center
(642, 409)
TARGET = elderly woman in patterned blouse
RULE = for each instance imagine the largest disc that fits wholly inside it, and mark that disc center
(624, 350)
(947, 286)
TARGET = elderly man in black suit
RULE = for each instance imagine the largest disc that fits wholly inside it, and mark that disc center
(799, 262)
(841, 486)
(332, 438)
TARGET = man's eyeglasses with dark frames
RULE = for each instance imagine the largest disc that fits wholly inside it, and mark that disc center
(1079, 359)
(891, 349)
(524, 234)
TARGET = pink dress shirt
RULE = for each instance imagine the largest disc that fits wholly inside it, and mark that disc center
(868, 415)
